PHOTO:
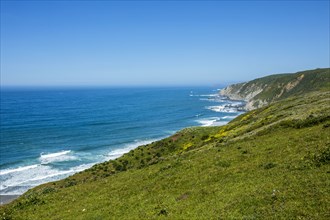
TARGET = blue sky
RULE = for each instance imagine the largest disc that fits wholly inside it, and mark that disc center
(159, 43)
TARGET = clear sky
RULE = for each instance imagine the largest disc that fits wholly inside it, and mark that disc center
(159, 43)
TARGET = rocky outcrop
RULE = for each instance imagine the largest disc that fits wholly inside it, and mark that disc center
(263, 91)
(235, 92)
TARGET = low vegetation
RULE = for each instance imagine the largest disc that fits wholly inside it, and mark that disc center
(269, 163)
(265, 90)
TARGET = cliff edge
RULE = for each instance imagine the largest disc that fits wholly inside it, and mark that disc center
(263, 91)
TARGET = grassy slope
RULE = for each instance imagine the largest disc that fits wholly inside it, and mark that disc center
(313, 80)
(270, 163)
(274, 85)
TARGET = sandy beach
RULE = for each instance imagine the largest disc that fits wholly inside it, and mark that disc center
(4, 199)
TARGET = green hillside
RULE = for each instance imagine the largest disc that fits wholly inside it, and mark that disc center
(269, 163)
(307, 81)
(262, 91)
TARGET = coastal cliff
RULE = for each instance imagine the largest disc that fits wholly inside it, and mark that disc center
(263, 91)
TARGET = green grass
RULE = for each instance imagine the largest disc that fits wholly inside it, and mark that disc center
(270, 163)
(277, 87)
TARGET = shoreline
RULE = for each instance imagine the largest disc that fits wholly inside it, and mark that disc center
(116, 153)
(5, 199)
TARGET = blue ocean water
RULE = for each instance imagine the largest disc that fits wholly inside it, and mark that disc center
(49, 134)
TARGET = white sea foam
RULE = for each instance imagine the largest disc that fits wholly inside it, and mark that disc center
(25, 179)
(19, 177)
(57, 154)
(219, 123)
(56, 173)
(57, 157)
(128, 147)
(222, 108)
(213, 100)
(19, 180)
(210, 95)
(208, 121)
(18, 169)
(235, 103)
(229, 117)
(204, 95)
(215, 121)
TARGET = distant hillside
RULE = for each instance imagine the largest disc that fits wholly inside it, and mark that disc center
(269, 163)
(262, 91)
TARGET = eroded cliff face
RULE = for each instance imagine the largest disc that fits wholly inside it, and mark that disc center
(263, 91)
(235, 92)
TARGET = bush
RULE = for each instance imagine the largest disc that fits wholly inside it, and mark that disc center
(268, 166)
(311, 120)
(223, 164)
(323, 158)
(48, 190)
(70, 182)
(204, 137)
(118, 166)
(327, 125)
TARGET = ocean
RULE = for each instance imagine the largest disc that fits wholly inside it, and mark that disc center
(50, 133)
